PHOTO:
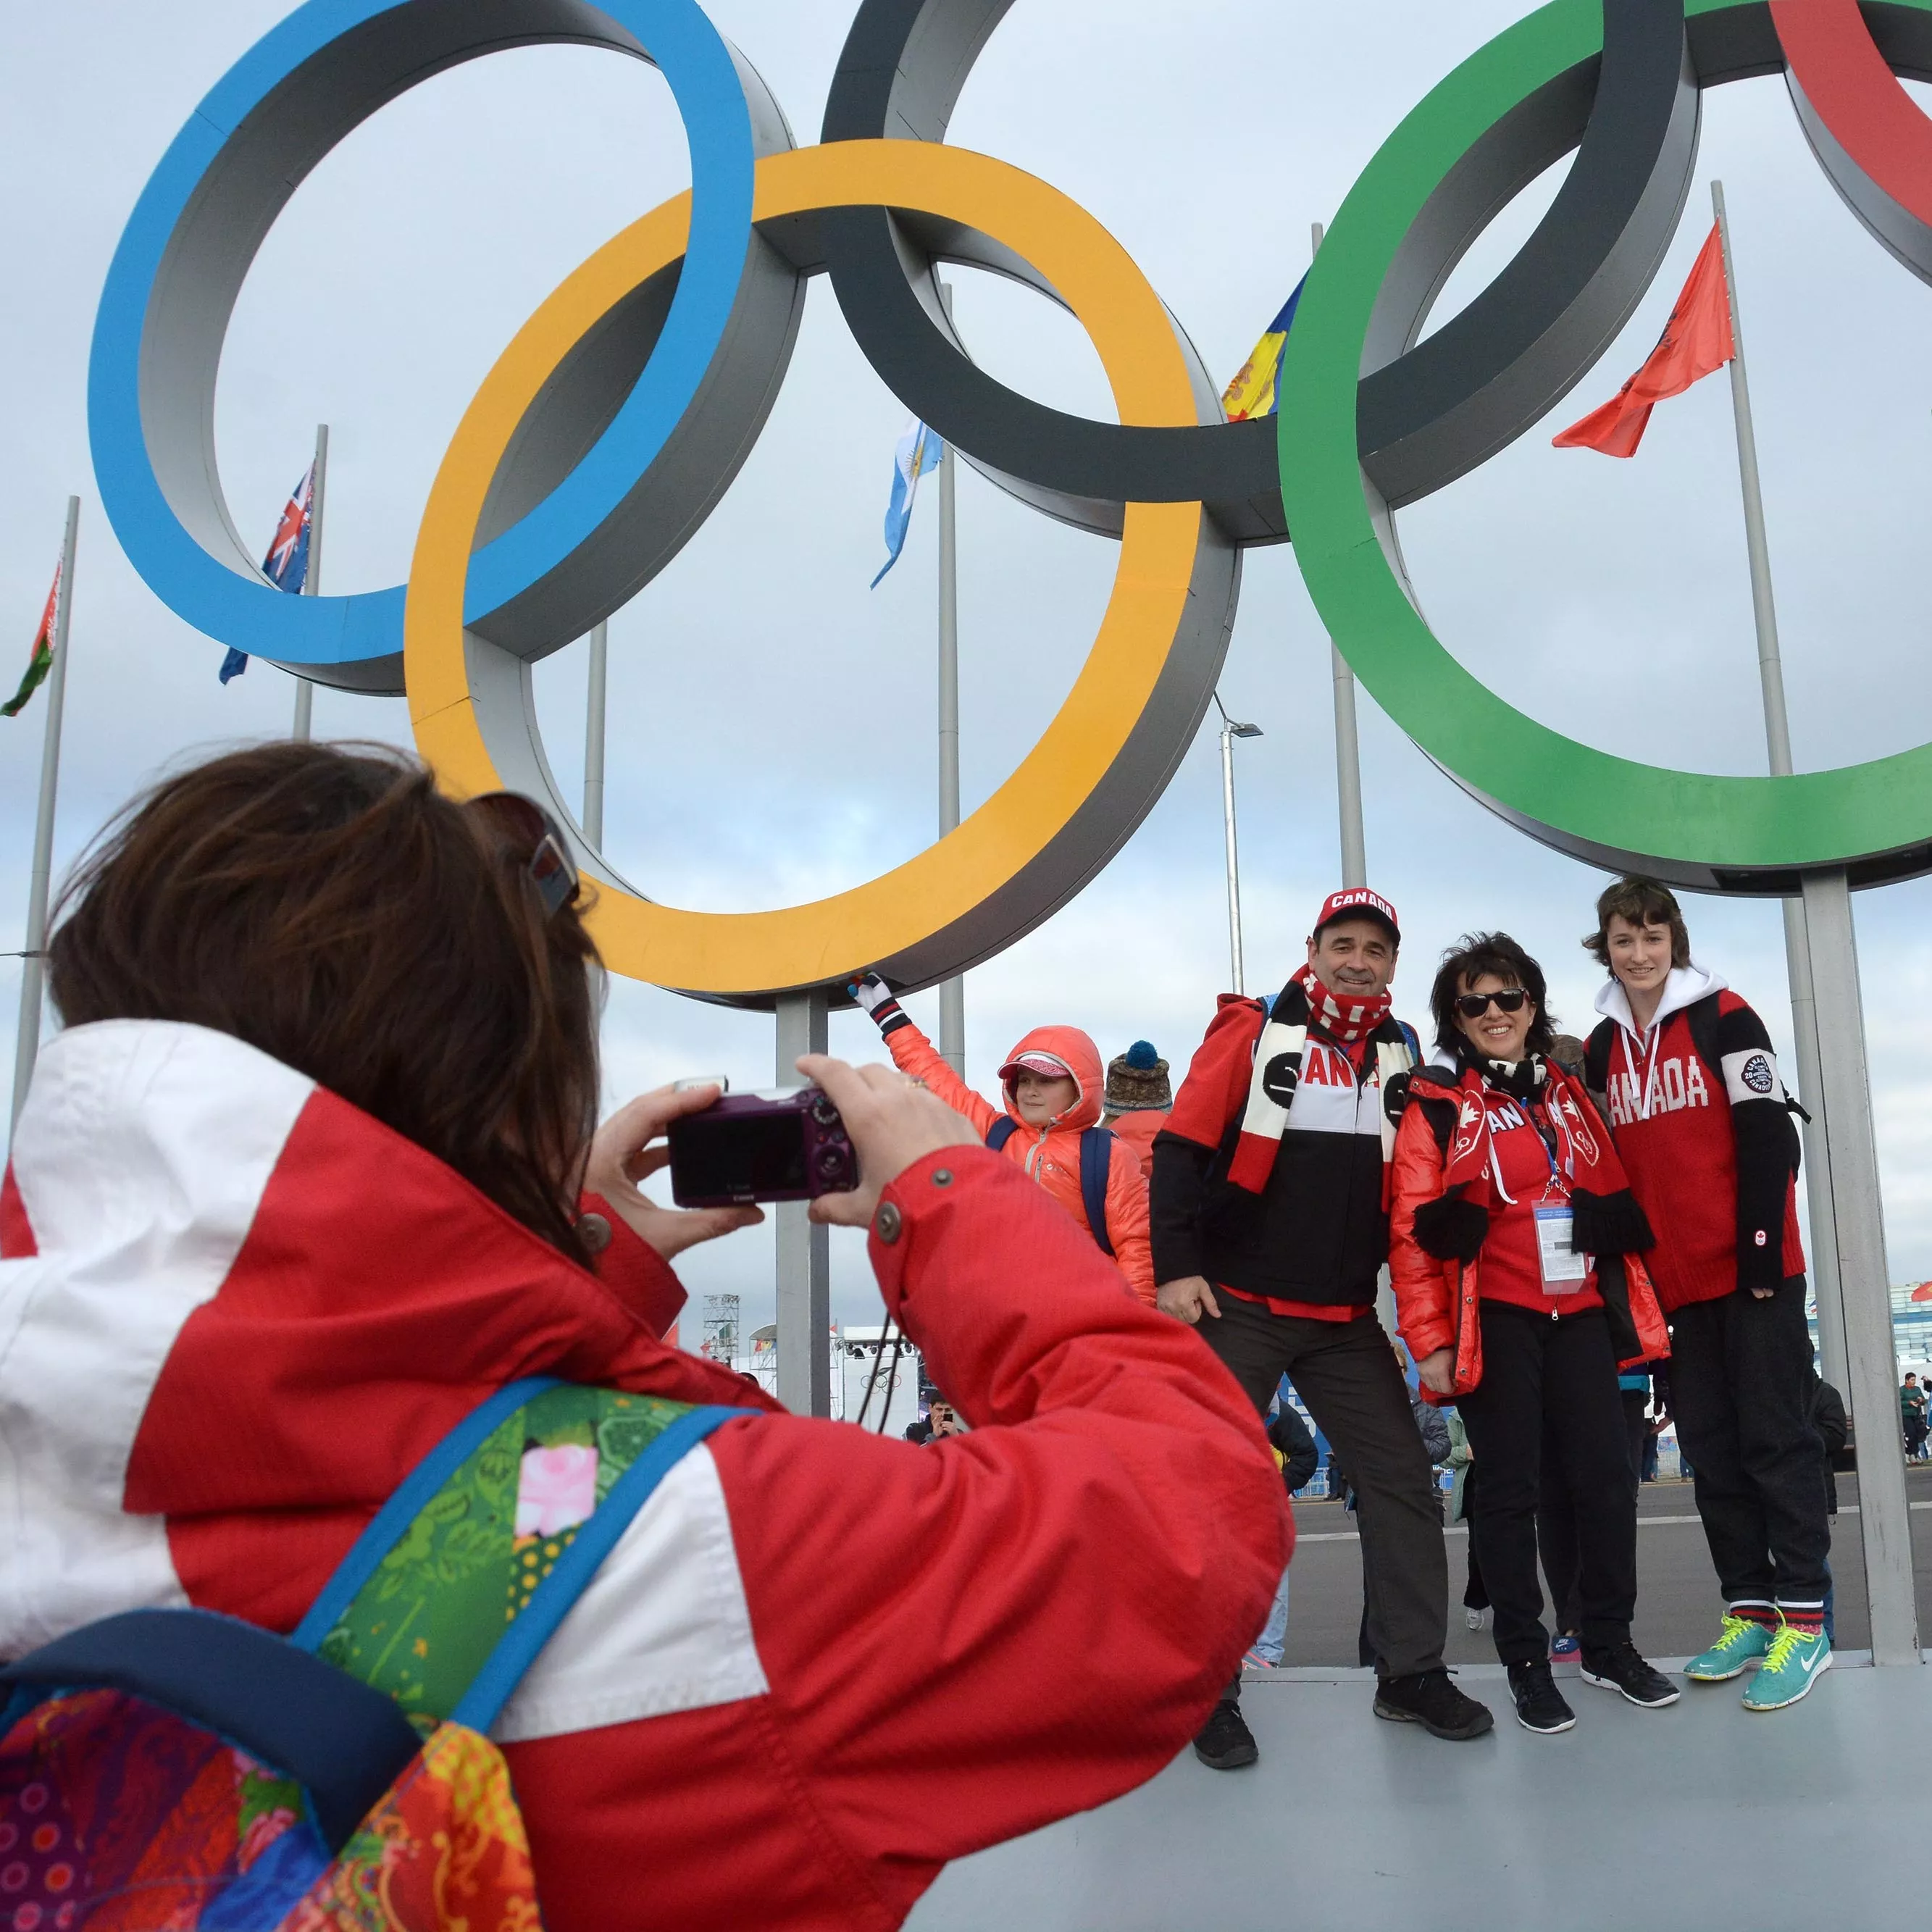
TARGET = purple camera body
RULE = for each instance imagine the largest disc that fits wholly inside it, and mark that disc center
(789, 1145)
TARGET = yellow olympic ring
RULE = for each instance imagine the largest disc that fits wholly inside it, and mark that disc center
(906, 918)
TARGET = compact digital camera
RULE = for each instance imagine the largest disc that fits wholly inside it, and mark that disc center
(789, 1145)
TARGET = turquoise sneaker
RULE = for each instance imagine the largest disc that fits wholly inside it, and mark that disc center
(1795, 1661)
(1740, 1643)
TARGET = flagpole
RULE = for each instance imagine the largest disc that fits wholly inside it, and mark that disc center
(1797, 938)
(1854, 1330)
(33, 972)
(952, 992)
(312, 580)
(593, 734)
(1348, 741)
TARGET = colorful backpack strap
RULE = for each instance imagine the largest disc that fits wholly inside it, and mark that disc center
(344, 1743)
(417, 1492)
(517, 1650)
(550, 1603)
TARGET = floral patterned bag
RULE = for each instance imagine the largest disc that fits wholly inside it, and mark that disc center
(178, 1770)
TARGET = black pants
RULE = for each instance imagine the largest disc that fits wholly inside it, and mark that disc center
(1740, 1387)
(1551, 1386)
(1345, 1372)
(1556, 1528)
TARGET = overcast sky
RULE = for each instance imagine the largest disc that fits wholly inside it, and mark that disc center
(772, 721)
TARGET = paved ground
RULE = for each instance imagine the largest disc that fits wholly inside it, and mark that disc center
(1677, 1604)
(1697, 1817)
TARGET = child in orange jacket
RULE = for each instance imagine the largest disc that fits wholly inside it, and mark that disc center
(1053, 1089)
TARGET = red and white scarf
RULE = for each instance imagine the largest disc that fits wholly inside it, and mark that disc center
(1305, 1004)
(1584, 1160)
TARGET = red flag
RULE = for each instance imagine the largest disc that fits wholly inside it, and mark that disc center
(1923, 1292)
(1696, 340)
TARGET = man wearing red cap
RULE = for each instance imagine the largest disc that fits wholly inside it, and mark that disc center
(1270, 1227)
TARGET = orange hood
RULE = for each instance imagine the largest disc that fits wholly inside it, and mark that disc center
(1081, 1058)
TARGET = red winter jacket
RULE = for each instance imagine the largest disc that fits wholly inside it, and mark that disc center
(1050, 1154)
(1708, 1142)
(235, 1312)
(1437, 1300)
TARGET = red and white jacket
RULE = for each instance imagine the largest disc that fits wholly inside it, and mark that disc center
(235, 1312)
(1706, 1136)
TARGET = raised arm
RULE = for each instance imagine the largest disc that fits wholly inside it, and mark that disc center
(914, 1054)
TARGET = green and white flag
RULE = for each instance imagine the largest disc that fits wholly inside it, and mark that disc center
(42, 660)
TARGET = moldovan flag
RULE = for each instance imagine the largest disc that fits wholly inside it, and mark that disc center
(1252, 393)
(1696, 340)
(42, 659)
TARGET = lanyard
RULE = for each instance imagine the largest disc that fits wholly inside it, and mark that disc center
(1546, 1134)
(1652, 1055)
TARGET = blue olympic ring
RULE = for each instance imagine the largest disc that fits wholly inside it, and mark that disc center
(204, 214)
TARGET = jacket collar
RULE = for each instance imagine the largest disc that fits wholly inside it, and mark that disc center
(1685, 986)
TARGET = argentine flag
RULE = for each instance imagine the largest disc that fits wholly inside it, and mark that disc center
(919, 450)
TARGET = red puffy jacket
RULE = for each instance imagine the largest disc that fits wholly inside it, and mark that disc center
(1436, 1301)
(1051, 1154)
(235, 1311)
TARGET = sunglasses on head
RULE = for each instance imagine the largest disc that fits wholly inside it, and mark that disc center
(536, 838)
(1474, 1005)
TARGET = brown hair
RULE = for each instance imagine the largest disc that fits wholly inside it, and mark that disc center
(331, 908)
(1641, 902)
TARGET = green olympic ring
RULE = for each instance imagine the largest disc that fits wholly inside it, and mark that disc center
(1734, 835)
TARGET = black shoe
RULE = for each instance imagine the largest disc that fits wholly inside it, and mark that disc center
(1224, 1742)
(1430, 1699)
(1619, 1668)
(1539, 1704)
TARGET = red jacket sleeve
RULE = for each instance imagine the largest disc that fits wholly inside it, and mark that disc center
(913, 1053)
(635, 1273)
(1424, 1311)
(1215, 1092)
(1127, 1220)
(967, 1640)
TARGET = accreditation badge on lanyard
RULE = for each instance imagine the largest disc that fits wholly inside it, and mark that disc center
(1565, 1270)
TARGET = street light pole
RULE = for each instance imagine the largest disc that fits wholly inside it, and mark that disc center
(1230, 731)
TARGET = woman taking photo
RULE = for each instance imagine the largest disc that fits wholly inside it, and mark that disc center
(1519, 1290)
(314, 1171)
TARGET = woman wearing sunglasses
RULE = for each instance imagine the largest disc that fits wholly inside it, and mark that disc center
(1514, 1255)
(313, 1174)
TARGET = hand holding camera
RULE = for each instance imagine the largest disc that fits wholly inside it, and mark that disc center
(621, 1155)
(892, 1122)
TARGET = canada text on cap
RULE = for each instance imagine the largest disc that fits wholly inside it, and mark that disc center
(1357, 902)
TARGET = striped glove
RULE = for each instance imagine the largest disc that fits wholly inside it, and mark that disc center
(872, 993)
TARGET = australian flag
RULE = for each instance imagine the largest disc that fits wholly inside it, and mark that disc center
(285, 566)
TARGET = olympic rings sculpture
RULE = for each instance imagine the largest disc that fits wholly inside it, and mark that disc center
(624, 408)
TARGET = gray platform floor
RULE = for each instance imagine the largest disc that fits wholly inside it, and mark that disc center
(1702, 1816)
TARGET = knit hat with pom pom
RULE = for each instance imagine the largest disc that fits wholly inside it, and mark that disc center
(1138, 1079)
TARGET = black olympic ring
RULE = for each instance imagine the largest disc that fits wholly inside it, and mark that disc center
(1428, 412)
